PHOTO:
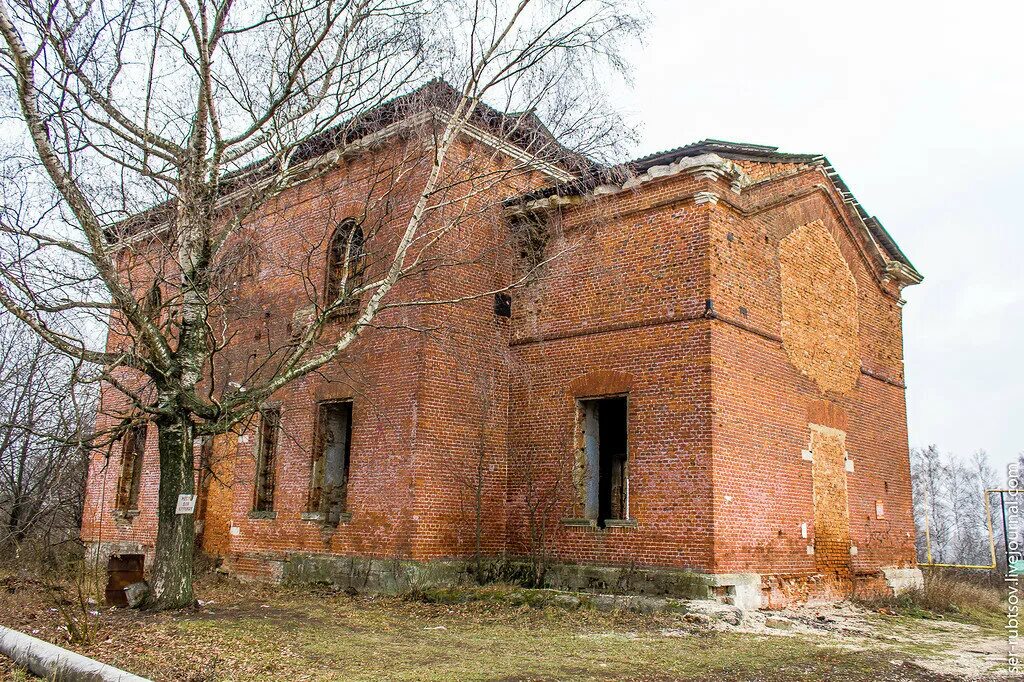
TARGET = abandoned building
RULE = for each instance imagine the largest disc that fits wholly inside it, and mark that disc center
(702, 384)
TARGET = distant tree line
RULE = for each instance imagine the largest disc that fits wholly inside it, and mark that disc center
(949, 506)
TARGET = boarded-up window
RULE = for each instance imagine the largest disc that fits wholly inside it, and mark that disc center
(133, 446)
(330, 467)
(346, 264)
(605, 453)
(270, 425)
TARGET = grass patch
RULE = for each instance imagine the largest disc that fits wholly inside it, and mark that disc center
(498, 594)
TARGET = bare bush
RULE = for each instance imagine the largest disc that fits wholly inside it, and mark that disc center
(44, 421)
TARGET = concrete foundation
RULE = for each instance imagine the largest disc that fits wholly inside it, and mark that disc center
(742, 590)
(901, 580)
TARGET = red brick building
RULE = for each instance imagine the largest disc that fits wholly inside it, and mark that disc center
(704, 375)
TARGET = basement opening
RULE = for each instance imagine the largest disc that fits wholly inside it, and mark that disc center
(122, 570)
(605, 450)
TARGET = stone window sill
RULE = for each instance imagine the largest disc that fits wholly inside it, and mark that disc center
(126, 514)
(592, 523)
(254, 514)
(344, 313)
(320, 517)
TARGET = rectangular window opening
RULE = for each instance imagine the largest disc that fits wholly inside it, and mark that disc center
(270, 425)
(133, 447)
(329, 492)
(503, 304)
(605, 449)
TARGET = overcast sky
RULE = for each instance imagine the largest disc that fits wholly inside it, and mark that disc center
(920, 106)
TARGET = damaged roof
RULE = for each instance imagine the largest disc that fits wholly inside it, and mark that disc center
(523, 129)
(735, 151)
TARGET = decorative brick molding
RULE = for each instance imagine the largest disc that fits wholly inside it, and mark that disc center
(827, 413)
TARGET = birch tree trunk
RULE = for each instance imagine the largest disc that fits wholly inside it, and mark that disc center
(175, 538)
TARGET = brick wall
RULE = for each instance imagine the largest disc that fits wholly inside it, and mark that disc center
(809, 342)
(460, 415)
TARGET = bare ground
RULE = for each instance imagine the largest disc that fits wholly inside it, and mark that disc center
(256, 632)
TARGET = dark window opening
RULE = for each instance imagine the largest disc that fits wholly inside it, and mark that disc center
(151, 306)
(133, 447)
(605, 449)
(346, 265)
(503, 305)
(329, 492)
(270, 425)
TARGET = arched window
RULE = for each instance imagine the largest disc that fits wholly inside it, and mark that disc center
(346, 262)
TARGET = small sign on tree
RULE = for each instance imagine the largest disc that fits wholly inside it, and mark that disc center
(186, 504)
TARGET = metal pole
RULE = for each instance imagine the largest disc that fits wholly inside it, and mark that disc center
(1006, 540)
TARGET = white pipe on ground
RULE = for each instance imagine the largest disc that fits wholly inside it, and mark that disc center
(51, 662)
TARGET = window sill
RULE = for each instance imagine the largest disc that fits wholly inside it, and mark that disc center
(126, 514)
(254, 514)
(592, 523)
(320, 517)
(344, 313)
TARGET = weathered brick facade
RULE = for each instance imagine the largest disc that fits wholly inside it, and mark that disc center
(737, 297)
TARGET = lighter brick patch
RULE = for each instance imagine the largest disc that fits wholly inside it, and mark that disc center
(819, 308)
(832, 548)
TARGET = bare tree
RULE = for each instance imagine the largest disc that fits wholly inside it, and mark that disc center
(160, 138)
(949, 503)
(931, 508)
(42, 457)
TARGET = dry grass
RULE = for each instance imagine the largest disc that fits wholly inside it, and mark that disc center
(253, 633)
(948, 596)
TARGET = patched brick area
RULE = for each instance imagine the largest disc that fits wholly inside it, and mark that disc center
(740, 309)
(831, 507)
(216, 492)
(819, 308)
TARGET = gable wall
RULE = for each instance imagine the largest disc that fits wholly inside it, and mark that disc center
(770, 392)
